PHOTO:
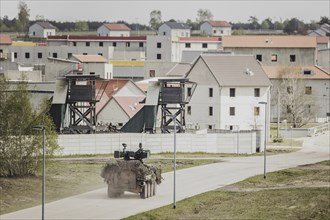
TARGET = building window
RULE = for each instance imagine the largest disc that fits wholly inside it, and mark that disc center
(256, 92)
(39, 55)
(69, 55)
(214, 31)
(152, 73)
(292, 58)
(256, 111)
(27, 55)
(307, 72)
(210, 110)
(309, 109)
(189, 110)
(114, 44)
(159, 45)
(204, 45)
(92, 73)
(308, 90)
(84, 53)
(210, 127)
(159, 56)
(210, 92)
(188, 45)
(34, 33)
(274, 58)
(100, 54)
(101, 44)
(88, 44)
(55, 55)
(259, 57)
(141, 44)
(232, 92)
(74, 44)
(189, 91)
(128, 44)
(232, 111)
(164, 33)
(15, 55)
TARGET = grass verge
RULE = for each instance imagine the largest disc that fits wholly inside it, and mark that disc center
(297, 193)
(67, 177)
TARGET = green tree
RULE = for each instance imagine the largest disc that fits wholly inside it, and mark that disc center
(324, 20)
(20, 146)
(254, 22)
(81, 26)
(155, 19)
(204, 15)
(23, 17)
(265, 25)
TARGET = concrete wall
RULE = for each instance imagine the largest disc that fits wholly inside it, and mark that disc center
(156, 143)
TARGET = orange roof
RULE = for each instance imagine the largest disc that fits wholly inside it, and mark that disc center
(5, 39)
(117, 27)
(90, 58)
(219, 23)
(269, 41)
(316, 72)
(200, 39)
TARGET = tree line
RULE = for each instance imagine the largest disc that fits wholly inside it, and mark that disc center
(288, 26)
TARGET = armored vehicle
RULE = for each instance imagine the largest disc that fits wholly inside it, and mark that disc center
(131, 174)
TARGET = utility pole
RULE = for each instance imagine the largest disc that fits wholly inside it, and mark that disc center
(278, 112)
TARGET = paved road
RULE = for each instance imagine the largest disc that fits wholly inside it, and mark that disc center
(190, 182)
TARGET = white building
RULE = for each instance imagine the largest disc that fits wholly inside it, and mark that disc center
(216, 28)
(229, 89)
(42, 29)
(174, 29)
(114, 30)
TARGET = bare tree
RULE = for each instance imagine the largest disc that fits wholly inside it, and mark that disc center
(297, 103)
(23, 17)
(204, 15)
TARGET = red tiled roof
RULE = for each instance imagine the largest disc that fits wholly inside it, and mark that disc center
(219, 23)
(322, 39)
(130, 104)
(5, 39)
(117, 27)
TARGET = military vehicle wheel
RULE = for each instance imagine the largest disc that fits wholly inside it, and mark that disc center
(144, 194)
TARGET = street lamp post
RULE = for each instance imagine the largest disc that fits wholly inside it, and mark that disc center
(265, 138)
(174, 164)
(43, 128)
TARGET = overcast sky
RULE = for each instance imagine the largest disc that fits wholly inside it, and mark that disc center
(139, 11)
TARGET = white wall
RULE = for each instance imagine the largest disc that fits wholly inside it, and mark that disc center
(156, 143)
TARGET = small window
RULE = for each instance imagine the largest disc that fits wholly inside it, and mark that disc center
(204, 45)
(307, 72)
(259, 57)
(274, 58)
(292, 58)
(34, 33)
(210, 92)
(114, 44)
(189, 91)
(92, 73)
(164, 33)
(256, 92)
(128, 44)
(74, 44)
(15, 55)
(159, 45)
(232, 92)
(210, 110)
(231, 127)
(308, 90)
(101, 44)
(188, 45)
(232, 111)
(214, 31)
(210, 127)
(256, 111)
(141, 44)
(84, 53)
(100, 54)
(55, 55)
(189, 110)
(159, 56)
(39, 55)
(152, 73)
(27, 55)
(309, 108)
(88, 44)
(69, 55)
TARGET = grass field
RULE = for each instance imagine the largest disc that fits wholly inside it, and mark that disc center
(297, 193)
